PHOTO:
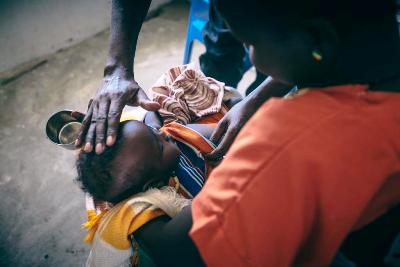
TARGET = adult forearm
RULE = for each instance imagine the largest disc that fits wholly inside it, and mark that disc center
(267, 89)
(168, 241)
(126, 21)
(236, 118)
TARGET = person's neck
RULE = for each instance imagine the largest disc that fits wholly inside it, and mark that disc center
(388, 85)
(373, 59)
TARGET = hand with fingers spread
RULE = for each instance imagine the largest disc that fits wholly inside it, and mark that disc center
(119, 87)
(229, 127)
(102, 119)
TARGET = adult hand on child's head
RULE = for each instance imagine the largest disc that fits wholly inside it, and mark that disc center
(101, 122)
(229, 127)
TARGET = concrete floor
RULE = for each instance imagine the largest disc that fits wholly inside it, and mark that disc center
(41, 208)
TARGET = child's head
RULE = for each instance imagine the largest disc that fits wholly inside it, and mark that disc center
(317, 42)
(141, 155)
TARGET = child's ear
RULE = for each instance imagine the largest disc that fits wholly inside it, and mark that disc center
(324, 40)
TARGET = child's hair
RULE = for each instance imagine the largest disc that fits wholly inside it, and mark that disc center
(95, 177)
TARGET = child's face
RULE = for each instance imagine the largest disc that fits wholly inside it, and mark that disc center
(143, 148)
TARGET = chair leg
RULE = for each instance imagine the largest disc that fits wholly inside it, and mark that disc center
(188, 52)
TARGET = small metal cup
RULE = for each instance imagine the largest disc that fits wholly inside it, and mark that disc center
(62, 128)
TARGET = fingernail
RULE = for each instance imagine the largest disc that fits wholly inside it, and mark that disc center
(77, 142)
(110, 140)
(99, 148)
(88, 147)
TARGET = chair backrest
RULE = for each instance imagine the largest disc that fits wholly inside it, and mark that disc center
(199, 11)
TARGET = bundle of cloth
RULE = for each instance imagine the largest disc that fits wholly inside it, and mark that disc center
(186, 94)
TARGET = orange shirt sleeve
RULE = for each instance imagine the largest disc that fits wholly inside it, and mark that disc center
(294, 184)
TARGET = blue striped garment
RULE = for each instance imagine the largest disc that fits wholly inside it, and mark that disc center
(191, 170)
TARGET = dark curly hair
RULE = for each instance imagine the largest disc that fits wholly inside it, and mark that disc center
(95, 177)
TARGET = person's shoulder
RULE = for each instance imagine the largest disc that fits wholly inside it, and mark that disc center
(308, 124)
(281, 119)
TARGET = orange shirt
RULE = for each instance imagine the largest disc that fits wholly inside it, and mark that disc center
(301, 175)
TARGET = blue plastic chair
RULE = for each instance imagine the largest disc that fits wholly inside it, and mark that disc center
(198, 19)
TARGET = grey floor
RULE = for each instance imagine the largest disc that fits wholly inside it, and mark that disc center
(41, 208)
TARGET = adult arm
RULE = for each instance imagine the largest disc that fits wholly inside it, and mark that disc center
(167, 240)
(236, 118)
(118, 86)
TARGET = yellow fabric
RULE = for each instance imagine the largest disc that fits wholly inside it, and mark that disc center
(92, 224)
(123, 222)
(110, 230)
(128, 116)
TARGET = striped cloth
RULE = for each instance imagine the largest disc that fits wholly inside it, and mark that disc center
(186, 94)
(191, 170)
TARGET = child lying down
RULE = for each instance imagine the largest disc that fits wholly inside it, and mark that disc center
(151, 172)
(144, 157)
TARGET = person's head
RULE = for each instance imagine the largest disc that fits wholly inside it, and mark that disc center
(140, 156)
(317, 42)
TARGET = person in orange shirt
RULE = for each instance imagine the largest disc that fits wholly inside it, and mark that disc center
(305, 171)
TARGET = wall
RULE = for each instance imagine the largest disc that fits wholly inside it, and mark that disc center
(31, 29)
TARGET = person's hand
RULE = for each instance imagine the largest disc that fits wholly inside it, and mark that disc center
(237, 117)
(229, 127)
(102, 119)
